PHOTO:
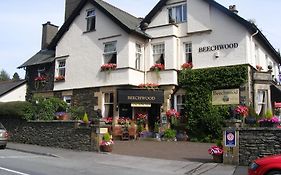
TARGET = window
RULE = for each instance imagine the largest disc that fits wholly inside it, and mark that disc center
(67, 100)
(110, 53)
(188, 52)
(262, 102)
(41, 72)
(159, 53)
(138, 56)
(179, 103)
(108, 104)
(91, 20)
(178, 14)
(61, 68)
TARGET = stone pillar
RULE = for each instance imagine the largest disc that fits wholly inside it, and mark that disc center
(231, 146)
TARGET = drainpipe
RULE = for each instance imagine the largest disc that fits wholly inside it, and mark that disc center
(249, 84)
(144, 60)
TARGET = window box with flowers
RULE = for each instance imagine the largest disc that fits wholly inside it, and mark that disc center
(108, 67)
(217, 153)
(187, 66)
(157, 67)
(40, 81)
(60, 78)
(152, 86)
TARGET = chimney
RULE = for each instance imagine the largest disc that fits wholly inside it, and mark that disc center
(48, 33)
(70, 5)
(233, 9)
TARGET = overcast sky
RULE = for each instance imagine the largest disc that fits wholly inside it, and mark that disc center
(21, 23)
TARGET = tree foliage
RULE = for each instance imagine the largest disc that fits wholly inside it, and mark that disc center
(205, 121)
(16, 77)
(4, 76)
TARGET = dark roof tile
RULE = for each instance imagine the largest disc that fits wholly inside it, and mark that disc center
(7, 86)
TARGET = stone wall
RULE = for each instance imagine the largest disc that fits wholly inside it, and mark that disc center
(258, 142)
(60, 134)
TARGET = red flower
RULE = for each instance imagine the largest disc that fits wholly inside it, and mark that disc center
(172, 113)
(187, 65)
(149, 85)
(59, 78)
(40, 78)
(109, 66)
(242, 110)
(215, 150)
(157, 67)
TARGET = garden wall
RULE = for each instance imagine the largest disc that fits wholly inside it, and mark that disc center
(258, 142)
(60, 134)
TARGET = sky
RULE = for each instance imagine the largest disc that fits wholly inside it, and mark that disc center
(21, 23)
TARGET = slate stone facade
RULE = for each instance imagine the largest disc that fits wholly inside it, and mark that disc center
(60, 134)
(258, 142)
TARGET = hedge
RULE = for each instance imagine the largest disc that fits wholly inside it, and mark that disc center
(14, 109)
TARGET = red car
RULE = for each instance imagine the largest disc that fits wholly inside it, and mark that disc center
(270, 165)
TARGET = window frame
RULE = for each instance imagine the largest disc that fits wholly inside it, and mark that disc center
(157, 55)
(179, 106)
(59, 68)
(188, 52)
(109, 55)
(173, 13)
(138, 56)
(109, 103)
(91, 20)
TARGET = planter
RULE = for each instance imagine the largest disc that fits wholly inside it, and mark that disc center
(250, 120)
(218, 158)
(106, 148)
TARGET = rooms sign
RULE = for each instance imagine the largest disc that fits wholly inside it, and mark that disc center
(225, 97)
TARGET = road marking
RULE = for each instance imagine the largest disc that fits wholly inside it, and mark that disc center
(18, 157)
(12, 171)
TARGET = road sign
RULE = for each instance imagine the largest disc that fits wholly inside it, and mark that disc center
(230, 138)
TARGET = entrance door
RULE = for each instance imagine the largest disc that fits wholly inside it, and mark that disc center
(153, 116)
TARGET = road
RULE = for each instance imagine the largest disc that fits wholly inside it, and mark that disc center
(87, 163)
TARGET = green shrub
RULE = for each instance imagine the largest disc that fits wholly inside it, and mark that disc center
(205, 121)
(15, 109)
(44, 109)
(169, 134)
(77, 113)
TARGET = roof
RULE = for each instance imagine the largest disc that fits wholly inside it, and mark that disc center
(42, 57)
(252, 28)
(126, 21)
(8, 86)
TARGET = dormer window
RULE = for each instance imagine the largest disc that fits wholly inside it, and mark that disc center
(178, 14)
(91, 20)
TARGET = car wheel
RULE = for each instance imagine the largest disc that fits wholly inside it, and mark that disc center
(3, 146)
(274, 172)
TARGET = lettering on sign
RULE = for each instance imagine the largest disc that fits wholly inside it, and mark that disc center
(225, 97)
(218, 47)
(143, 98)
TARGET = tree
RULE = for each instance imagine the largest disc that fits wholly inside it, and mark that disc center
(4, 76)
(16, 77)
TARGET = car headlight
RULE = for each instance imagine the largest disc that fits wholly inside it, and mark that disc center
(253, 166)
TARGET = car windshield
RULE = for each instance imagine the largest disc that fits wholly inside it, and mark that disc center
(1, 126)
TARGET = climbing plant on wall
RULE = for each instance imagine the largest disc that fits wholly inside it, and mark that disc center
(205, 121)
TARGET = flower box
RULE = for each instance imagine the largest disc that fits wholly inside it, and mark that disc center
(187, 65)
(106, 148)
(40, 78)
(108, 67)
(157, 67)
(60, 78)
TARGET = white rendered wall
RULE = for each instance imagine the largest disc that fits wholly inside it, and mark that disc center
(17, 94)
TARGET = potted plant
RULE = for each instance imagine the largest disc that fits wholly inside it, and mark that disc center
(173, 117)
(217, 153)
(108, 67)
(251, 119)
(170, 135)
(187, 65)
(107, 143)
(268, 120)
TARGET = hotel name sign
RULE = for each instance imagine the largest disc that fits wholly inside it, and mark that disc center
(225, 97)
(132, 96)
(218, 47)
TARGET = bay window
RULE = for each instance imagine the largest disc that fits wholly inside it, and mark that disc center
(159, 53)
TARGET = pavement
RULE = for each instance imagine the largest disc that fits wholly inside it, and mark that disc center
(155, 154)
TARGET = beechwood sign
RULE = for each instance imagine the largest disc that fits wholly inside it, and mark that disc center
(218, 47)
